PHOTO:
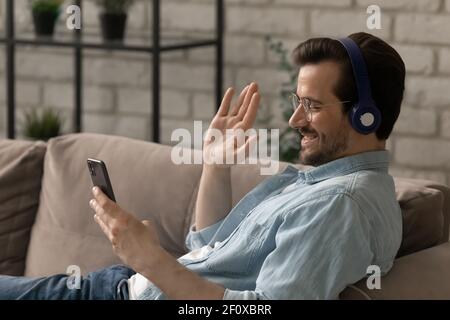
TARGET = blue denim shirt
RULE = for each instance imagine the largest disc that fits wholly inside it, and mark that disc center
(306, 243)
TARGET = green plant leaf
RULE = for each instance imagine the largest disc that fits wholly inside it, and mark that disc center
(42, 125)
(46, 5)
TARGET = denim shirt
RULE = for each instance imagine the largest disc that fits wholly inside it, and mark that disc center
(306, 243)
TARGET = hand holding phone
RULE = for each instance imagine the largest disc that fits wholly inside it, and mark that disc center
(100, 177)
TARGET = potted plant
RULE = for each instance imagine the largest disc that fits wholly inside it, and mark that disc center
(45, 14)
(42, 125)
(113, 18)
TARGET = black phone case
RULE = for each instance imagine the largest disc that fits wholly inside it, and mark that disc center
(100, 177)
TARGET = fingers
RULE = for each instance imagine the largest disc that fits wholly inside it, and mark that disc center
(101, 198)
(253, 88)
(102, 214)
(104, 227)
(244, 109)
(240, 101)
(105, 208)
(250, 114)
(104, 202)
(226, 101)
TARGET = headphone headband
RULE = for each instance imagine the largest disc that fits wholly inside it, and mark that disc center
(359, 71)
(364, 116)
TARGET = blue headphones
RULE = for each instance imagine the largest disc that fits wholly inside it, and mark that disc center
(365, 117)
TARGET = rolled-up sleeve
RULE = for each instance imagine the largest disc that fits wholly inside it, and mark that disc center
(198, 238)
(319, 251)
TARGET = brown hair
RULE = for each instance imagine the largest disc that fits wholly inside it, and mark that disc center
(385, 67)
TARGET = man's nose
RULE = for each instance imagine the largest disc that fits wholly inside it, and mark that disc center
(298, 118)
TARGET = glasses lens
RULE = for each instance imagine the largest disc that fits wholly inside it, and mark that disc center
(305, 102)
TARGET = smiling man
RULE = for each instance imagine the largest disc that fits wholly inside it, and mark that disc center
(298, 234)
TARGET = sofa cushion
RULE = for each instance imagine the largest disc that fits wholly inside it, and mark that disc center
(145, 182)
(422, 275)
(423, 216)
(20, 183)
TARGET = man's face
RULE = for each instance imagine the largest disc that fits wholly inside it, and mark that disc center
(326, 136)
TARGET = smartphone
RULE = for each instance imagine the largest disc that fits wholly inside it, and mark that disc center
(100, 177)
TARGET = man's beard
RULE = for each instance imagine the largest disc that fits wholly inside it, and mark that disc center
(326, 149)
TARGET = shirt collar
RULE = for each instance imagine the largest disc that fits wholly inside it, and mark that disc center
(372, 160)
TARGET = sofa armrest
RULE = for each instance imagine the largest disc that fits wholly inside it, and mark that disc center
(421, 275)
(21, 164)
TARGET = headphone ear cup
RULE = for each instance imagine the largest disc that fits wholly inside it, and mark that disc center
(365, 120)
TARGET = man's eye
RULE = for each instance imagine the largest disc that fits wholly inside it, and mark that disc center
(315, 108)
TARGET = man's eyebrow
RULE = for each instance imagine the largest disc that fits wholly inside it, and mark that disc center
(310, 98)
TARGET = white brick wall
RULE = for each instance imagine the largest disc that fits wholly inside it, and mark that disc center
(340, 24)
(246, 50)
(134, 100)
(444, 60)
(417, 59)
(103, 70)
(324, 3)
(423, 28)
(117, 96)
(175, 104)
(204, 106)
(427, 92)
(99, 123)
(427, 153)
(438, 176)
(416, 122)
(410, 5)
(188, 16)
(445, 124)
(33, 64)
(263, 21)
(61, 95)
(28, 92)
(269, 80)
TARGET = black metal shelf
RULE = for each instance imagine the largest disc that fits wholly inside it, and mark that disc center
(79, 44)
(75, 43)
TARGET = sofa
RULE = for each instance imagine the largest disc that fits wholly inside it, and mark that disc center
(46, 224)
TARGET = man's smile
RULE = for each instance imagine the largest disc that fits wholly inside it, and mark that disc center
(308, 137)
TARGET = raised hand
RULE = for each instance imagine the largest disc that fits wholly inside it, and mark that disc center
(225, 140)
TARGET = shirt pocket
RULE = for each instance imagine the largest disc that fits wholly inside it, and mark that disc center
(238, 254)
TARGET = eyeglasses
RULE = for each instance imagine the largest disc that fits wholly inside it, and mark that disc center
(309, 106)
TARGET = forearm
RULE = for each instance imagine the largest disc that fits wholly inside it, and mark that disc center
(177, 282)
(214, 196)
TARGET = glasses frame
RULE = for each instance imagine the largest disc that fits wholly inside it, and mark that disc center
(297, 102)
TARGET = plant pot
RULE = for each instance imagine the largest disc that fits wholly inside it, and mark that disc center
(113, 26)
(44, 22)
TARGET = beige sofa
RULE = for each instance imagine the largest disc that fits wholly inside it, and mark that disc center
(46, 224)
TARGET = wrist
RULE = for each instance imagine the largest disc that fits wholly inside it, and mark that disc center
(154, 258)
(161, 265)
(216, 169)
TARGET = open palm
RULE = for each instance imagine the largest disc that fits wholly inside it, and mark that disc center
(224, 139)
